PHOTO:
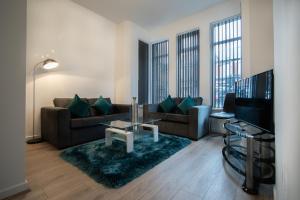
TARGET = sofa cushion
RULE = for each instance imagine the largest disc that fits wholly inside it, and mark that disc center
(79, 107)
(177, 100)
(168, 105)
(103, 106)
(176, 118)
(95, 120)
(169, 117)
(64, 102)
(86, 122)
(94, 111)
(186, 104)
(92, 101)
(197, 100)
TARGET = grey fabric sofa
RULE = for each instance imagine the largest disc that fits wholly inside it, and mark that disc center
(60, 129)
(194, 125)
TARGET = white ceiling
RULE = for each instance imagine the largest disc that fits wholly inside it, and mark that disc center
(146, 13)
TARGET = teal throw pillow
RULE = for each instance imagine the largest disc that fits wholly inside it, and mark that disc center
(186, 104)
(168, 105)
(79, 107)
(103, 106)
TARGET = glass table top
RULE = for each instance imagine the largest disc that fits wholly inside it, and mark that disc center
(246, 129)
(242, 127)
(123, 124)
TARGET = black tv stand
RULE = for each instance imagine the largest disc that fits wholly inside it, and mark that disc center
(249, 150)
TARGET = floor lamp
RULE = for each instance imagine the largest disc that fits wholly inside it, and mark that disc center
(47, 65)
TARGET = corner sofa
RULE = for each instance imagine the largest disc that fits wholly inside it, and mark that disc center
(60, 129)
(193, 125)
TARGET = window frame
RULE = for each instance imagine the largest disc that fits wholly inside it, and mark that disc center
(212, 60)
(151, 69)
(197, 62)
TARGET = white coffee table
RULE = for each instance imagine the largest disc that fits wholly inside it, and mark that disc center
(124, 131)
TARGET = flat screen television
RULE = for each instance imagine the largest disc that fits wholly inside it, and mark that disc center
(254, 101)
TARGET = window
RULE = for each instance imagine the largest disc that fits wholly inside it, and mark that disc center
(226, 57)
(160, 71)
(188, 64)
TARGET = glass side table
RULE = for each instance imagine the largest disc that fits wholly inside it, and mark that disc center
(249, 150)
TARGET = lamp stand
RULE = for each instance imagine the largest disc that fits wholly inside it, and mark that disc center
(34, 139)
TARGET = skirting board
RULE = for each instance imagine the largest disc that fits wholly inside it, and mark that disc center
(30, 137)
(15, 189)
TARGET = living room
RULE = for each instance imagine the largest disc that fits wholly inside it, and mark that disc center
(134, 54)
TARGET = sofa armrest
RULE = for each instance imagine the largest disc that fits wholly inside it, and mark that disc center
(198, 121)
(121, 108)
(55, 126)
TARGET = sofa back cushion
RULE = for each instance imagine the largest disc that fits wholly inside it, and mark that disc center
(79, 107)
(178, 100)
(94, 111)
(65, 102)
(197, 100)
(186, 104)
(168, 105)
(92, 101)
(103, 106)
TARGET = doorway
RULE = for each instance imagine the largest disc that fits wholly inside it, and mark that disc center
(143, 72)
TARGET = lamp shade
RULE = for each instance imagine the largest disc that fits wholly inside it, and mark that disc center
(50, 64)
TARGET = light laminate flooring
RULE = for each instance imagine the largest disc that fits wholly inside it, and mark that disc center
(197, 172)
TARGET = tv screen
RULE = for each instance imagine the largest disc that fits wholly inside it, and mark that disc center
(254, 100)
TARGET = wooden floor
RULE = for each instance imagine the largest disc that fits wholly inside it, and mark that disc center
(196, 172)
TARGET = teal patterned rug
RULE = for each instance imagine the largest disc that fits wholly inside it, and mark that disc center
(113, 167)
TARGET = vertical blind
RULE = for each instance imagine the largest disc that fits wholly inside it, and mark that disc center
(160, 71)
(226, 57)
(188, 64)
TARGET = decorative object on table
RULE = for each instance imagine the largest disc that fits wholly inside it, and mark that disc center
(134, 110)
(113, 167)
(140, 112)
(47, 64)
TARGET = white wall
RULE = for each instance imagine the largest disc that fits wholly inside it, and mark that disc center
(127, 60)
(12, 103)
(83, 42)
(201, 21)
(257, 33)
(287, 98)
